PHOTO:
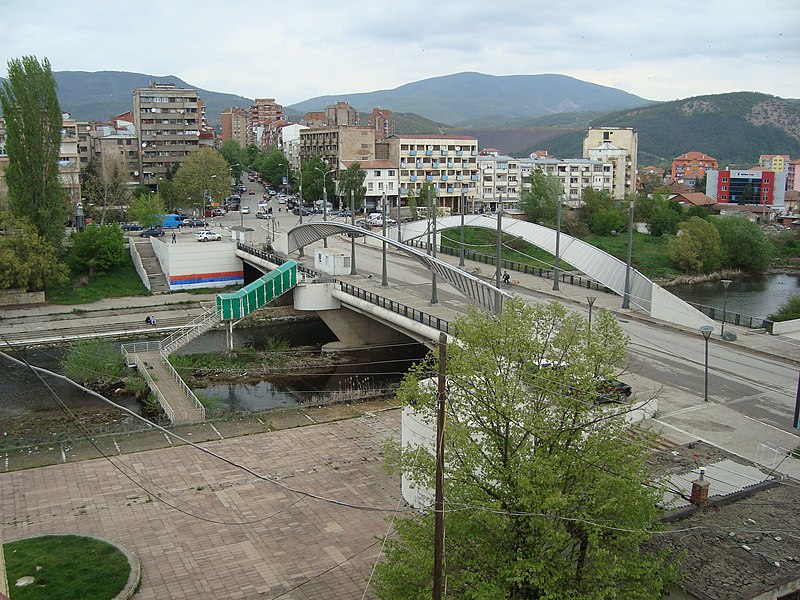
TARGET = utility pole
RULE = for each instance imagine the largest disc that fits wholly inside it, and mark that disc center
(438, 538)
(353, 234)
(384, 279)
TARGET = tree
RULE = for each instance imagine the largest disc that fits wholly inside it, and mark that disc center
(312, 182)
(606, 220)
(104, 185)
(203, 172)
(351, 181)
(272, 167)
(789, 310)
(33, 144)
(744, 245)
(147, 209)
(27, 259)
(96, 249)
(539, 202)
(545, 495)
(697, 247)
(593, 201)
(232, 152)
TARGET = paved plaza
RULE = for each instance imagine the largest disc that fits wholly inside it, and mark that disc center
(203, 528)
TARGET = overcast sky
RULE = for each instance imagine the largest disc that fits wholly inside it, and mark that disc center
(293, 51)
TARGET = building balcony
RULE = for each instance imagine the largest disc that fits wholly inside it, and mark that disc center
(428, 152)
(412, 178)
(474, 153)
(459, 178)
(473, 177)
(428, 177)
(412, 152)
(435, 164)
(420, 165)
(445, 152)
(450, 190)
(444, 177)
(403, 190)
(451, 165)
(403, 165)
(459, 152)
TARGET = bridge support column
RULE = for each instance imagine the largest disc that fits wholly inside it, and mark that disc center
(229, 336)
(355, 330)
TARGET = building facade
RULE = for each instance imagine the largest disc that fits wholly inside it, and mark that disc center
(235, 125)
(755, 187)
(779, 163)
(688, 168)
(339, 114)
(168, 120)
(450, 163)
(382, 121)
(263, 112)
(381, 182)
(337, 144)
(617, 145)
(792, 178)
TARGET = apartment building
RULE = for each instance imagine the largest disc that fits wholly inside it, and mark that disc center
(690, 167)
(235, 123)
(339, 114)
(792, 179)
(337, 144)
(290, 143)
(617, 145)
(382, 121)
(315, 120)
(263, 112)
(381, 181)
(779, 163)
(450, 163)
(168, 120)
(69, 166)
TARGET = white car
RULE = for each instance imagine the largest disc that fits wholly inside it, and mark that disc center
(208, 235)
(245, 210)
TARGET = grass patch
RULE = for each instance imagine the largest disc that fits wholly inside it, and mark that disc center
(484, 241)
(66, 567)
(122, 281)
(186, 364)
(649, 254)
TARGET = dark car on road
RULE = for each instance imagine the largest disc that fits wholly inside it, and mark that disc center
(612, 391)
(305, 210)
(131, 227)
(195, 223)
(152, 232)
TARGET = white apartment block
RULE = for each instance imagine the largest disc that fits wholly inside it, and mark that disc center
(290, 143)
(503, 178)
(382, 180)
(450, 163)
(617, 145)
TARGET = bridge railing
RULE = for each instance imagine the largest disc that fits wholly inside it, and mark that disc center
(274, 258)
(198, 406)
(520, 267)
(396, 307)
(734, 318)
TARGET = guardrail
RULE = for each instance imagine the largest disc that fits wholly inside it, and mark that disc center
(190, 331)
(274, 258)
(142, 367)
(133, 348)
(520, 267)
(396, 307)
(734, 318)
(189, 393)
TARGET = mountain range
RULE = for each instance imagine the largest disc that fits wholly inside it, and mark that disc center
(515, 114)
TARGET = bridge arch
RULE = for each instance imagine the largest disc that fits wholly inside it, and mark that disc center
(480, 292)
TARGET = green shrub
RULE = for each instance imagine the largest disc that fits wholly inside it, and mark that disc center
(606, 220)
(93, 361)
(744, 245)
(96, 249)
(789, 310)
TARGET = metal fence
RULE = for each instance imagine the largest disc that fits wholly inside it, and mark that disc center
(396, 307)
(733, 317)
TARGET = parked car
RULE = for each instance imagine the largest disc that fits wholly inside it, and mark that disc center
(152, 232)
(131, 227)
(208, 235)
(195, 223)
(262, 214)
(245, 210)
(612, 391)
(305, 210)
(218, 212)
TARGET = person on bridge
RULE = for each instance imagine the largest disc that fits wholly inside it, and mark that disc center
(506, 278)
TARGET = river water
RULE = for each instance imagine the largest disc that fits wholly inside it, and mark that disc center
(755, 296)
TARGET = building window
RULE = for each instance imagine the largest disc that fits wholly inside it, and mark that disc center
(377, 173)
(606, 135)
(391, 172)
(369, 186)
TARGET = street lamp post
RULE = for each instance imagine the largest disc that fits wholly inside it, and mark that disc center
(324, 201)
(626, 299)
(706, 331)
(556, 276)
(300, 204)
(353, 234)
(499, 244)
(463, 210)
(590, 300)
(725, 284)
(384, 278)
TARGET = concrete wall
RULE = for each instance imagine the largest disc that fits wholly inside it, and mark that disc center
(15, 297)
(137, 264)
(210, 264)
(784, 327)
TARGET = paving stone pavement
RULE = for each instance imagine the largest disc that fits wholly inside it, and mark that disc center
(221, 532)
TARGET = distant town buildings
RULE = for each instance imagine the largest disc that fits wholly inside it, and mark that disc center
(690, 167)
(779, 163)
(340, 113)
(235, 125)
(754, 187)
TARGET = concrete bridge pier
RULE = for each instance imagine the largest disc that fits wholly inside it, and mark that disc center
(353, 329)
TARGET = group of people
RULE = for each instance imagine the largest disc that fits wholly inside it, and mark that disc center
(150, 320)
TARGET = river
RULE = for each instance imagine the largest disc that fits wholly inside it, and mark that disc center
(754, 295)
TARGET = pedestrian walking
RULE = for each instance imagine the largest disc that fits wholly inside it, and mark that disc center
(506, 278)
(174, 238)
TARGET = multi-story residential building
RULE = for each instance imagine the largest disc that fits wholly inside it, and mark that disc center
(690, 167)
(315, 120)
(575, 175)
(339, 114)
(617, 145)
(381, 181)
(755, 187)
(290, 142)
(235, 123)
(779, 163)
(382, 121)
(450, 163)
(69, 166)
(792, 178)
(262, 113)
(3, 166)
(337, 144)
(168, 120)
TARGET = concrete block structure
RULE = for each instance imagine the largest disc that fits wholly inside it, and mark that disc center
(617, 145)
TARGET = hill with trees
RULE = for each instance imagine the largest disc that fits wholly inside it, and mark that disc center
(734, 128)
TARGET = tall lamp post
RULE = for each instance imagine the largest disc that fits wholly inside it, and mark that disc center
(626, 299)
(353, 234)
(590, 300)
(433, 204)
(556, 276)
(324, 200)
(725, 284)
(463, 210)
(706, 331)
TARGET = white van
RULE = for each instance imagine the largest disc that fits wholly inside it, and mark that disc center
(375, 219)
